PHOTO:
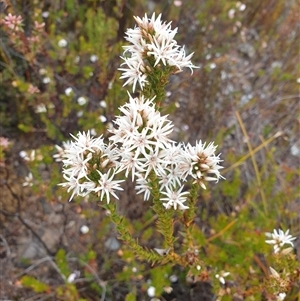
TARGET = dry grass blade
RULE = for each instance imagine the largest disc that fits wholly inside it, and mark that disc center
(252, 155)
(254, 151)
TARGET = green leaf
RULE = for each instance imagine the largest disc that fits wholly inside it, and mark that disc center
(130, 297)
(36, 285)
(61, 262)
(25, 128)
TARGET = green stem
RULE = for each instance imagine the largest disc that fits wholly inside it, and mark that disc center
(157, 77)
(164, 225)
(190, 214)
(165, 217)
(124, 234)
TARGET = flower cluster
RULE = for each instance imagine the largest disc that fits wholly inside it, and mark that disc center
(204, 163)
(4, 143)
(152, 46)
(28, 44)
(222, 276)
(90, 165)
(140, 144)
(142, 135)
(279, 239)
(28, 180)
(280, 281)
(13, 22)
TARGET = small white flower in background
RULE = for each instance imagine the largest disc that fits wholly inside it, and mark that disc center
(93, 132)
(22, 154)
(84, 229)
(94, 58)
(102, 103)
(45, 14)
(151, 291)
(79, 113)
(102, 118)
(173, 278)
(46, 80)
(241, 6)
(295, 150)
(134, 270)
(68, 91)
(73, 276)
(281, 297)
(28, 180)
(212, 66)
(40, 108)
(77, 59)
(81, 101)
(231, 13)
(221, 276)
(279, 239)
(27, 157)
(59, 156)
(208, 56)
(177, 3)
(110, 84)
(42, 71)
(62, 43)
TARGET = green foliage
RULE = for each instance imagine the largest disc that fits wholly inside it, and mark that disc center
(230, 188)
(159, 278)
(62, 263)
(125, 235)
(130, 296)
(94, 34)
(68, 292)
(36, 285)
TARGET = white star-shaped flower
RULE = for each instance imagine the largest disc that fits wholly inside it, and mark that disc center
(175, 199)
(279, 239)
(107, 186)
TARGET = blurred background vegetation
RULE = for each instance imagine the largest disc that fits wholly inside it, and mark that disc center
(61, 78)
